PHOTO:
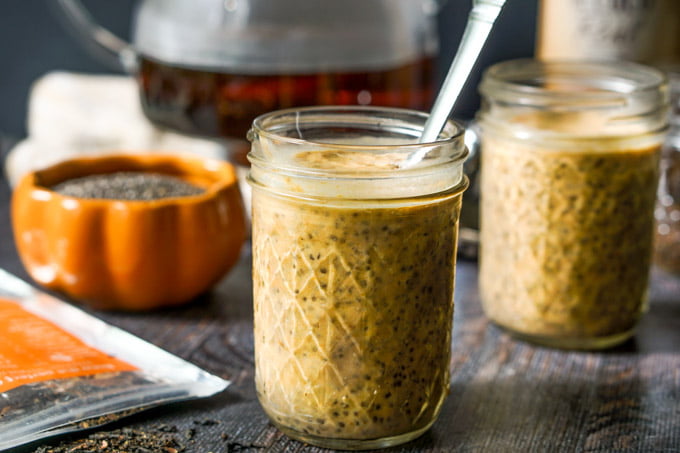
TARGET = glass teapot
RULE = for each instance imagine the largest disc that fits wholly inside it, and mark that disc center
(208, 67)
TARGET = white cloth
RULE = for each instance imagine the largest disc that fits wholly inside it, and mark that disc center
(71, 115)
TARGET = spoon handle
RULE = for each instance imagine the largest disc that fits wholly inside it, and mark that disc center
(480, 21)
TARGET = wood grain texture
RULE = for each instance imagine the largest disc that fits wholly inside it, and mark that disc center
(506, 396)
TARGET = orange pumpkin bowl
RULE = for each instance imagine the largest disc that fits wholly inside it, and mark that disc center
(130, 255)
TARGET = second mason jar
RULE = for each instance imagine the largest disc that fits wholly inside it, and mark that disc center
(353, 272)
(570, 155)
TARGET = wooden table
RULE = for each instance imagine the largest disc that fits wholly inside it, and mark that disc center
(505, 395)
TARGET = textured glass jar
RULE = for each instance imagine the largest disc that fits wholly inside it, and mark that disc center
(570, 155)
(353, 272)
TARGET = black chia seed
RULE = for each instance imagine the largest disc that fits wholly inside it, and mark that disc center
(127, 186)
(123, 440)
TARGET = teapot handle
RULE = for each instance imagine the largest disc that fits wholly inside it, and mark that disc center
(113, 50)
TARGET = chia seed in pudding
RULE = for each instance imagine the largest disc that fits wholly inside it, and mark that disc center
(142, 186)
(567, 238)
(353, 310)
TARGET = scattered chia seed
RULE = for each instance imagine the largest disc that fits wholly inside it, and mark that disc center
(206, 422)
(118, 441)
(167, 429)
(127, 186)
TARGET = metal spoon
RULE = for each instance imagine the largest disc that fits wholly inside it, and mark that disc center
(479, 24)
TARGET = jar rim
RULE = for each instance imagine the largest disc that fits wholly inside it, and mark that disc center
(313, 149)
(275, 127)
(586, 84)
(261, 122)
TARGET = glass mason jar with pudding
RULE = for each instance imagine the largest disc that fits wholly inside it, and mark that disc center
(353, 272)
(570, 155)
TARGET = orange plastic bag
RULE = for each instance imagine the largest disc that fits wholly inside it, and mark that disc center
(62, 369)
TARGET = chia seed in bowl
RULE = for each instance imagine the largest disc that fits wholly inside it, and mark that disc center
(126, 185)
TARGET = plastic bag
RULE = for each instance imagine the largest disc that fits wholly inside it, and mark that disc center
(63, 370)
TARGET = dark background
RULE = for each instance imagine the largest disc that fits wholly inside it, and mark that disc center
(34, 41)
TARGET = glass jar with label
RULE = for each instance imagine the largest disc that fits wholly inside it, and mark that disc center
(570, 155)
(353, 272)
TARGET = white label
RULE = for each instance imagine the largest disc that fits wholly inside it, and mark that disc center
(635, 30)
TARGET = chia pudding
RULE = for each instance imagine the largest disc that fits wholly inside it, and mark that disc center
(353, 310)
(353, 280)
(566, 238)
(569, 170)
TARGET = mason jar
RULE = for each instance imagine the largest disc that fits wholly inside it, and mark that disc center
(354, 254)
(570, 155)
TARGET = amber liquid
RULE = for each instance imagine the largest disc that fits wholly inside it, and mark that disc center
(218, 104)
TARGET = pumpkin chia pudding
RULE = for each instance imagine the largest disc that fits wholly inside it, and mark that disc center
(567, 238)
(353, 314)
(353, 297)
(569, 170)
